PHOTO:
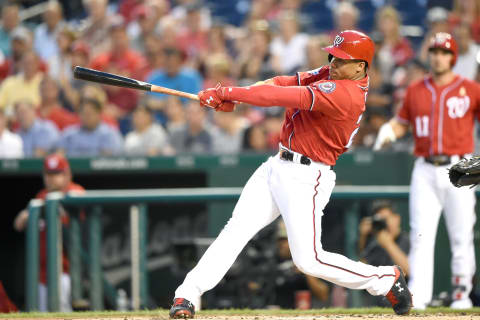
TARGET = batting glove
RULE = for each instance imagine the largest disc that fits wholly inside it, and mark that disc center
(213, 98)
(385, 135)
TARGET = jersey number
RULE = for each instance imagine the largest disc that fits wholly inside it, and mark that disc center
(421, 124)
(354, 133)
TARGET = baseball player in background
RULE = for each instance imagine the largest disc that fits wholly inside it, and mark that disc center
(441, 110)
(324, 109)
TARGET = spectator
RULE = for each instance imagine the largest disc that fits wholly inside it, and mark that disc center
(467, 12)
(468, 53)
(122, 60)
(289, 280)
(92, 137)
(255, 139)
(10, 20)
(255, 60)
(345, 16)
(218, 68)
(175, 75)
(60, 64)
(182, 8)
(40, 137)
(175, 114)
(21, 42)
(288, 48)
(228, 134)
(394, 50)
(45, 39)
(147, 138)
(10, 143)
(317, 57)
(24, 86)
(382, 241)
(50, 107)
(94, 91)
(95, 31)
(194, 136)
(56, 177)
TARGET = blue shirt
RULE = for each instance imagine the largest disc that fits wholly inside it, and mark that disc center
(43, 134)
(187, 80)
(45, 42)
(79, 142)
(5, 42)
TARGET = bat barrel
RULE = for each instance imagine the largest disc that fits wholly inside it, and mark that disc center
(110, 79)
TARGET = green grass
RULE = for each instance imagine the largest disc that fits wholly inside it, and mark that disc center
(163, 313)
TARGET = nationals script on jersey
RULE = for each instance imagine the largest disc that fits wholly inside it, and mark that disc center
(442, 117)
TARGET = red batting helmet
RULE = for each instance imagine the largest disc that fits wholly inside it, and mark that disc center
(352, 45)
(444, 41)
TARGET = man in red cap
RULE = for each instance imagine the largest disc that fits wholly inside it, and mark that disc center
(56, 177)
(441, 109)
(324, 109)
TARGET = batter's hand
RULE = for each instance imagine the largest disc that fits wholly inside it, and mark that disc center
(385, 135)
(210, 97)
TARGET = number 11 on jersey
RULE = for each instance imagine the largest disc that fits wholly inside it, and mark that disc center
(421, 126)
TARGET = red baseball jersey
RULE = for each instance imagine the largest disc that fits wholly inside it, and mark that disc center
(323, 115)
(442, 117)
(42, 194)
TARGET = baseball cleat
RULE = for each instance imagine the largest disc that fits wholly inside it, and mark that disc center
(399, 295)
(182, 309)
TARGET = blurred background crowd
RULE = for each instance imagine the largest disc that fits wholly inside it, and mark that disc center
(189, 45)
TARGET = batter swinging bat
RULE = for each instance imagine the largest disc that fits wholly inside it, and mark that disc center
(115, 80)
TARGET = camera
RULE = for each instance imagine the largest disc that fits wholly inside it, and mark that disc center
(378, 223)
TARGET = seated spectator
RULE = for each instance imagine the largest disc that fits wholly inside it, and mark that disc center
(10, 143)
(60, 64)
(466, 12)
(147, 138)
(289, 280)
(345, 17)
(316, 57)
(288, 48)
(57, 177)
(121, 60)
(254, 61)
(40, 137)
(382, 242)
(218, 68)
(255, 139)
(96, 28)
(50, 107)
(45, 36)
(194, 136)
(175, 75)
(228, 133)
(92, 137)
(10, 20)
(437, 21)
(25, 85)
(175, 114)
(468, 50)
(394, 50)
(94, 91)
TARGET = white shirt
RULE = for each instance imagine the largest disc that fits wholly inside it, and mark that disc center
(467, 64)
(154, 137)
(11, 145)
(291, 53)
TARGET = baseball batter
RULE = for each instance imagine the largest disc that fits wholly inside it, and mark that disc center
(324, 109)
(441, 110)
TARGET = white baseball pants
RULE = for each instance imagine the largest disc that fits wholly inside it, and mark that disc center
(299, 193)
(431, 191)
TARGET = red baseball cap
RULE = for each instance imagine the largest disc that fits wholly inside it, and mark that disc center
(55, 163)
(352, 45)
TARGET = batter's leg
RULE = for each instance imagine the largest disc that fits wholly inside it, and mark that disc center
(425, 208)
(460, 219)
(254, 210)
(301, 193)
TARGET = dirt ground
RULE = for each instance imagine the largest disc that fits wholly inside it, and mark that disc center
(310, 317)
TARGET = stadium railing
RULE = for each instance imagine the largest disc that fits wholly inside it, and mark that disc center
(91, 203)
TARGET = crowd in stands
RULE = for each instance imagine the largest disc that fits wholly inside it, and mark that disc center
(181, 45)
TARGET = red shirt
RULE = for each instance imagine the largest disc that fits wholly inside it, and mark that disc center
(60, 116)
(43, 236)
(322, 115)
(443, 117)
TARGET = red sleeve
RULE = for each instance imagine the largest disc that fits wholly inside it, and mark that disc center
(403, 115)
(266, 95)
(302, 78)
(285, 81)
(41, 194)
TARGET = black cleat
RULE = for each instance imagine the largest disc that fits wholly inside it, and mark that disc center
(399, 295)
(182, 309)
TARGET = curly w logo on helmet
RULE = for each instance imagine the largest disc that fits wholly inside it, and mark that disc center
(338, 40)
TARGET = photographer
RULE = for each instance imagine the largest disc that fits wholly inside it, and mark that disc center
(381, 240)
